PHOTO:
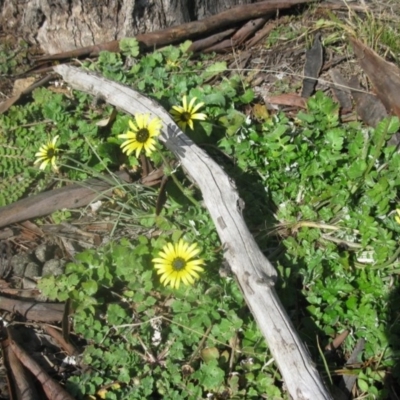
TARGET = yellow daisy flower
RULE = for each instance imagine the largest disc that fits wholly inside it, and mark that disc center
(175, 265)
(185, 114)
(142, 135)
(47, 154)
(397, 217)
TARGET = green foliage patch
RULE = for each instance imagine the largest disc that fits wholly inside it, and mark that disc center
(321, 197)
(146, 340)
(334, 191)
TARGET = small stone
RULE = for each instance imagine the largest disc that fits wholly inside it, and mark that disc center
(28, 283)
(53, 267)
(44, 252)
(32, 270)
(19, 262)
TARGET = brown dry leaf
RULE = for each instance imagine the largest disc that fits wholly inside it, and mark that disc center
(368, 106)
(22, 381)
(52, 389)
(6, 104)
(109, 120)
(384, 76)
(19, 91)
(337, 341)
(341, 90)
(21, 84)
(288, 99)
(312, 67)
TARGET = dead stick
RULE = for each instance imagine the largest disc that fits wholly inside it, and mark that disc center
(22, 380)
(247, 30)
(72, 196)
(44, 312)
(52, 389)
(58, 337)
(202, 44)
(239, 37)
(269, 26)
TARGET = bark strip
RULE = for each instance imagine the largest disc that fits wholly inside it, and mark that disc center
(53, 390)
(72, 196)
(32, 311)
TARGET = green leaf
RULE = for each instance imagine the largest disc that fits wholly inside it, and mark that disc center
(233, 121)
(247, 96)
(90, 287)
(116, 314)
(183, 47)
(356, 169)
(335, 138)
(394, 125)
(210, 375)
(214, 69)
(129, 46)
(363, 385)
(302, 116)
(172, 53)
(217, 98)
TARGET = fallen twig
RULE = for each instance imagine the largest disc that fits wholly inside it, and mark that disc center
(21, 379)
(72, 196)
(44, 312)
(53, 390)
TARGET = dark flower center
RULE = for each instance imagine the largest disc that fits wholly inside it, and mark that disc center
(51, 153)
(186, 116)
(178, 264)
(142, 135)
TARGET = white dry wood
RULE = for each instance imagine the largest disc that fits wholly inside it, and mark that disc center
(253, 271)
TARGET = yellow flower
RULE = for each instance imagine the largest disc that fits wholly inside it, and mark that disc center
(175, 265)
(172, 64)
(185, 114)
(47, 154)
(102, 393)
(397, 217)
(142, 135)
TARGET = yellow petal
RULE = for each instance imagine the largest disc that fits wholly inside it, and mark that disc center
(138, 150)
(175, 283)
(180, 248)
(141, 120)
(154, 127)
(132, 125)
(43, 165)
(199, 116)
(191, 104)
(196, 107)
(184, 102)
(193, 250)
(177, 110)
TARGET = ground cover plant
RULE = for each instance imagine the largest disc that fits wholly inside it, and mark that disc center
(321, 198)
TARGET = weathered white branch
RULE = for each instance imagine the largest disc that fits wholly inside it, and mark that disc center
(254, 272)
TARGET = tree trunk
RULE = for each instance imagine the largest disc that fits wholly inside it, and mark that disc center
(62, 25)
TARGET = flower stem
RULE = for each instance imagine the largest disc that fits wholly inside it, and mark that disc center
(177, 183)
